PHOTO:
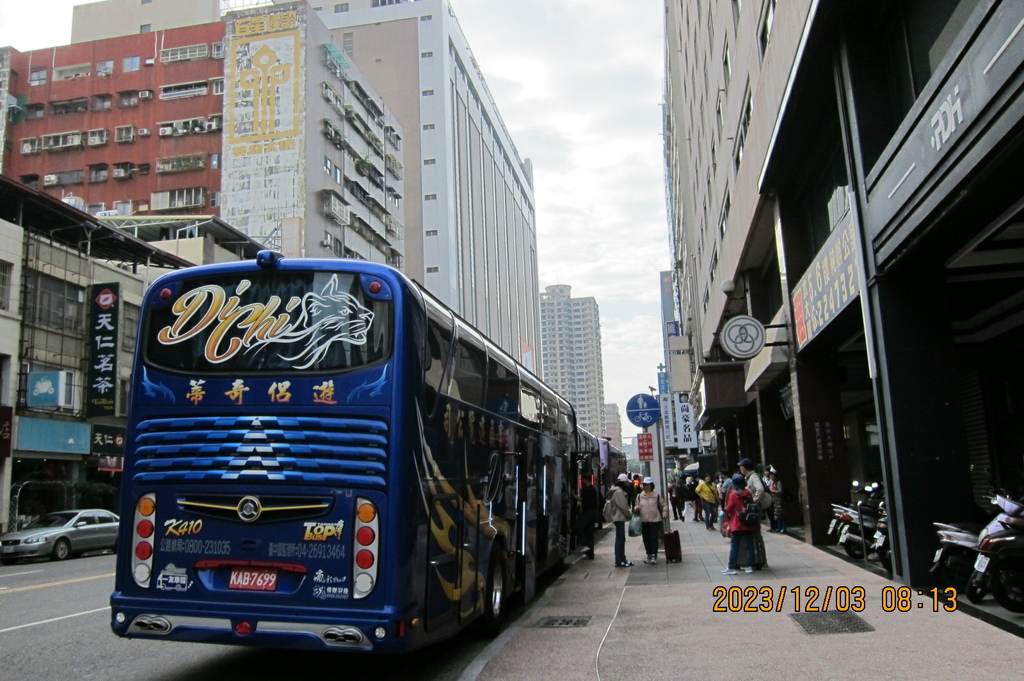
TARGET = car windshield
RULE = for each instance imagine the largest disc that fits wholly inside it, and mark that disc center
(59, 519)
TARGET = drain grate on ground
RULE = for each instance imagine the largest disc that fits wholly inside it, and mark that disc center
(564, 622)
(831, 623)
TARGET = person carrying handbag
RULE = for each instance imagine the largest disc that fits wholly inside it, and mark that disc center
(620, 513)
(653, 512)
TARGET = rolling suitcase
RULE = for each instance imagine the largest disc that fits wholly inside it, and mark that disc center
(673, 552)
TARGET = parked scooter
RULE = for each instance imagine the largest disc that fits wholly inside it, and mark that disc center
(881, 545)
(958, 549)
(1000, 562)
(858, 537)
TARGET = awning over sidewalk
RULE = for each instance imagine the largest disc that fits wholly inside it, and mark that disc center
(718, 394)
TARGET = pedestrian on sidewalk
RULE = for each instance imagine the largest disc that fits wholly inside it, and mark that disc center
(754, 484)
(619, 497)
(689, 498)
(778, 502)
(653, 512)
(698, 510)
(589, 502)
(675, 496)
(742, 533)
(709, 500)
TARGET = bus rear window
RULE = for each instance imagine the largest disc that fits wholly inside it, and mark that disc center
(282, 321)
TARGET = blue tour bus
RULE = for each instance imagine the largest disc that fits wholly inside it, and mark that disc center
(321, 455)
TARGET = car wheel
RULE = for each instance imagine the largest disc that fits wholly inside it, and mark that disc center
(61, 550)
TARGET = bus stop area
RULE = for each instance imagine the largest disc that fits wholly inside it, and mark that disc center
(810, 614)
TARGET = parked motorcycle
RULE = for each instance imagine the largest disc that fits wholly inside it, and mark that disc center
(1000, 562)
(861, 530)
(881, 544)
(959, 549)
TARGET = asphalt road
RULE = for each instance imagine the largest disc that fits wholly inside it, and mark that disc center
(55, 624)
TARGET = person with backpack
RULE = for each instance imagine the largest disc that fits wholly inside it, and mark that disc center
(743, 515)
(653, 512)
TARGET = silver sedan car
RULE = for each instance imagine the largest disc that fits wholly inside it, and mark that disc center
(61, 534)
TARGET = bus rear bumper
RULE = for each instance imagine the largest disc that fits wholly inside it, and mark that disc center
(340, 632)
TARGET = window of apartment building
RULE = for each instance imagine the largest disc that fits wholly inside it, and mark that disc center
(143, 169)
(6, 269)
(123, 207)
(428, 93)
(215, 161)
(70, 106)
(328, 165)
(429, 161)
(217, 50)
(430, 197)
(341, 7)
(37, 76)
(348, 43)
(31, 145)
(338, 177)
(53, 302)
(426, 55)
(124, 133)
(35, 111)
(181, 163)
(726, 207)
(30, 181)
(129, 326)
(190, 197)
(428, 126)
(767, 20)
(431, 270)
(129, 64)
(102, 102)
(129, 98)
(145, 28)
(741, 131)
(426, 17)
(94, 208)
(726, 65)
(217, 85)
(105, 67)
(62, 140)
(431, 232)
(214, 199)
(98, 172)
(185, 53)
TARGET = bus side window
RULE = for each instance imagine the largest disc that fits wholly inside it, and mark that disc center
(439, 343)
(529, 403)
(502, 387)
(470, 373)
(549, 414)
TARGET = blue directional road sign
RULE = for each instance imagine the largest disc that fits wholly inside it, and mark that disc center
(643, 411)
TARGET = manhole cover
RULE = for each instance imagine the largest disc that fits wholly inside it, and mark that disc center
(831, 623)
(564, 622)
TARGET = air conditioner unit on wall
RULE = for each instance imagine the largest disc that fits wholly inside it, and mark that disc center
(49, 180)
(145, 94)
(120, 172)
(150, 62)
(166, 131)
(143, 132)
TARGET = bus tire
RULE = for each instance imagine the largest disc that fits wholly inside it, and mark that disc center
(495, 596)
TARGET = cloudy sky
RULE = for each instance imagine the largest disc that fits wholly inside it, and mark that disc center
(578, 84)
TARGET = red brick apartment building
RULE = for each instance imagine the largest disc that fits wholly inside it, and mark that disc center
(129, 124)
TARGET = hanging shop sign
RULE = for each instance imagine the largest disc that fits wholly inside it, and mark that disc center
(830, 284)
(101, 391)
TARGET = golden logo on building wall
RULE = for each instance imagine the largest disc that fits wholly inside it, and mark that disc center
(264, 106)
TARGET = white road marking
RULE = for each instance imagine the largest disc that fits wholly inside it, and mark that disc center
(19, 574)
(53, 619)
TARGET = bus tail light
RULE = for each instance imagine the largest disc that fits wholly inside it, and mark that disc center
(366, 548)
(143, 536)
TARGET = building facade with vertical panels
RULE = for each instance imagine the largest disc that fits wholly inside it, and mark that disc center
(571, 337)
(470, 219)
(880, 237)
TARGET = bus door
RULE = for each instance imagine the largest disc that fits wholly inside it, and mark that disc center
(529, 488)
(444, 560)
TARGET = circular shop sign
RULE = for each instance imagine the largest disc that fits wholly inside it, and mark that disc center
(742, 337)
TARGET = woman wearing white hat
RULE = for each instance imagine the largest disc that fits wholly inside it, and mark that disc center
(653, 511)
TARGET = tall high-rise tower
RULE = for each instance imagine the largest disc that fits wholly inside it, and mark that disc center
(571, 337)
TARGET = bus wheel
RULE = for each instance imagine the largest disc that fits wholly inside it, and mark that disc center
(494, 596)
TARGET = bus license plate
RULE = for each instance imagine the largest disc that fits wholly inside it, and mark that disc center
(253, 579)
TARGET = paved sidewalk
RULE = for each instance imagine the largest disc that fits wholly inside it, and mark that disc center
(658, 622)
